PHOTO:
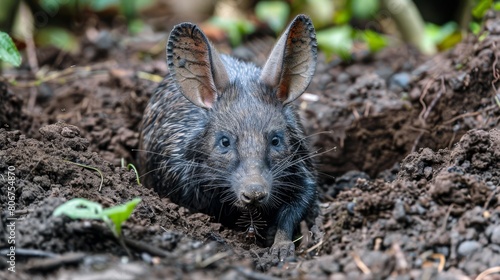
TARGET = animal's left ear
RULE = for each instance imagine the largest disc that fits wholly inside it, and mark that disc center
(292, 62)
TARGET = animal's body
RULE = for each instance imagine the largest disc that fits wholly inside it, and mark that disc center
(223, 137)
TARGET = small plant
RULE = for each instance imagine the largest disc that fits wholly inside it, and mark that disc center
(80, 208)
(131, 166)
(8, 50)
(89, 167)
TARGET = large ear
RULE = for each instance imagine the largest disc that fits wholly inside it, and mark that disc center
(292, 62)
(195, 66)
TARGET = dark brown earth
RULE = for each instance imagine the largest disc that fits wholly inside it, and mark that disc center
(408, 148)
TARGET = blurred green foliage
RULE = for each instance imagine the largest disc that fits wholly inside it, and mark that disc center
(364, 9)
(235, 28)
(8, 51)
(481, 8)
(374, 40)
(274, 13)
(340, 24)
(17, 17)
(336, 40)
(58, 37)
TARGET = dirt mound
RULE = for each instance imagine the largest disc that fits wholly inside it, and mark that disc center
(380, 110)
(440, 206)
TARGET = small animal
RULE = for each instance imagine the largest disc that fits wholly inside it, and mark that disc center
(223, 137)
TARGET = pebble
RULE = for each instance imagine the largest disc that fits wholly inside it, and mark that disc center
(350, 207)
(468, 247)
(401, 79)
(343, 78)
(428, 172)
(495, 235)
(399, 212)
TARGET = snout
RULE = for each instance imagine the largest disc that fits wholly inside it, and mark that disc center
(253, 194)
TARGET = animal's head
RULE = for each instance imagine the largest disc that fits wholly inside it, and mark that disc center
(253, 137)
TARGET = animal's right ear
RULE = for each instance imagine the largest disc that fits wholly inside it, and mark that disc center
(195, 66)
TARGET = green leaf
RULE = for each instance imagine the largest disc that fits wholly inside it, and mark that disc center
(59, 38)
(275, 13)
(475, 27)
(79, 208)
(364, 8)
(374, 40)
(120, 214)
(496, 6)
(438, 33)
(450, 41)
(342, 17)
(8, 50)
(480, 9)
(135, 26)
(336, 40)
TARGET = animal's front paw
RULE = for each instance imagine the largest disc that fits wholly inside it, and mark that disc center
(282, 249)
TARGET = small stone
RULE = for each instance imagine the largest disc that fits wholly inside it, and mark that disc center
(68, 132)
(401, 79)
(468, 247)
(338, 276)
(428, 172)
(343, 78)
(495, 235)
(399, 212)
(350, 207)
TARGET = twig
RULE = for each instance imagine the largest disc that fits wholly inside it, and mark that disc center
(421, 100)
(442, 261)
(378, 241)
(30, 253)
(401, 262)
(436, 99)
(149, 77)
(53, 263)
(445, 222)
(471, 114)
(490, 197)
(496, 75)
(356, 114)
(488, 271)
(315, 246)
(360, 264)
(214, 258)
(144, 247)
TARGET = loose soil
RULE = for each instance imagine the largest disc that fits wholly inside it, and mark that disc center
(408, 150)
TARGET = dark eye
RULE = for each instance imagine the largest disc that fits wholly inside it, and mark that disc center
(275, 141)
(224, 142)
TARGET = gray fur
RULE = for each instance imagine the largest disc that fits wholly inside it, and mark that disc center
(266, 166)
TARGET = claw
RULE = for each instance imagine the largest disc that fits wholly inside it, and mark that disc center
(282, 250)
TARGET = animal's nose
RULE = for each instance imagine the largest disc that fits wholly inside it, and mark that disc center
(253, 194)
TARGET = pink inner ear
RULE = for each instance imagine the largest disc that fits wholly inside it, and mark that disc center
(282, 92)
(208, 100)
(195, 65)
(292, 62)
